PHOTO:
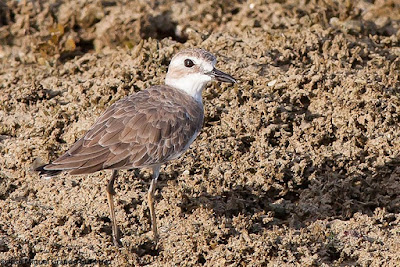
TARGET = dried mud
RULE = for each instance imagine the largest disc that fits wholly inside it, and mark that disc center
(297, 164)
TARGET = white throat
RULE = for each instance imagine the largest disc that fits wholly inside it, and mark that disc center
(192, 84)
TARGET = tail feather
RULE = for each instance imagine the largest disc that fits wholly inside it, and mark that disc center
(39, 167)
(46, 173)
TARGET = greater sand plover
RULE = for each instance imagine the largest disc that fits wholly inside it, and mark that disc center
(146, 129)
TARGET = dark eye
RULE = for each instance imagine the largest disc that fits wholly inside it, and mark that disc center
(189, 63)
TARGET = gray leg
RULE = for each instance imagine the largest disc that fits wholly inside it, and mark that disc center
(150, 195)
(110, 195)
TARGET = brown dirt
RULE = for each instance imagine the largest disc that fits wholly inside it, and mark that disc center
(296, 164)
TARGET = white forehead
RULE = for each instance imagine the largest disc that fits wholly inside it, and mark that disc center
(202, 58)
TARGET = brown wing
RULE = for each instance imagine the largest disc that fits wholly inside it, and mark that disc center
(144, 129)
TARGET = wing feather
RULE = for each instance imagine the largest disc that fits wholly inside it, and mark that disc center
(147, 128)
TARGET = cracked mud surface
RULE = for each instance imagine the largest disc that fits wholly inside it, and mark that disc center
(298, 163)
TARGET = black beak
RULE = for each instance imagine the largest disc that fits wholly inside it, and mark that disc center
(221, 76)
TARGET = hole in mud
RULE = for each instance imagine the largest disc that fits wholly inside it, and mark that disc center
(235, 11)
(3, 247)
(104, 219)
(209, 120)
(79, 222)
(9, 189)
(160, 27)
(62, 220)
(7, 16)
(108, 3)
(333, 252)
(129, 207)
(86, 230)
(305, 101)
(82, 47)
(246, 143)
(85, 46)
(147, 248)
(201, 259)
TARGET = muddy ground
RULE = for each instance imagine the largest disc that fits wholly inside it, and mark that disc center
(297, 164)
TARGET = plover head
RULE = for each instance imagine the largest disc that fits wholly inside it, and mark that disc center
(190, 70)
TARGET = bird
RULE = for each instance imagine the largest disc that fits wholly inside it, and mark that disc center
(144, 130)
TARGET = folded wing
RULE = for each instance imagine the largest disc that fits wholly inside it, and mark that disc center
(145, 129)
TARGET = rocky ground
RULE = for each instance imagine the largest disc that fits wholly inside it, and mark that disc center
(297, 164)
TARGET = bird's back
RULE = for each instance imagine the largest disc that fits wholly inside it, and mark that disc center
(148, 128)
